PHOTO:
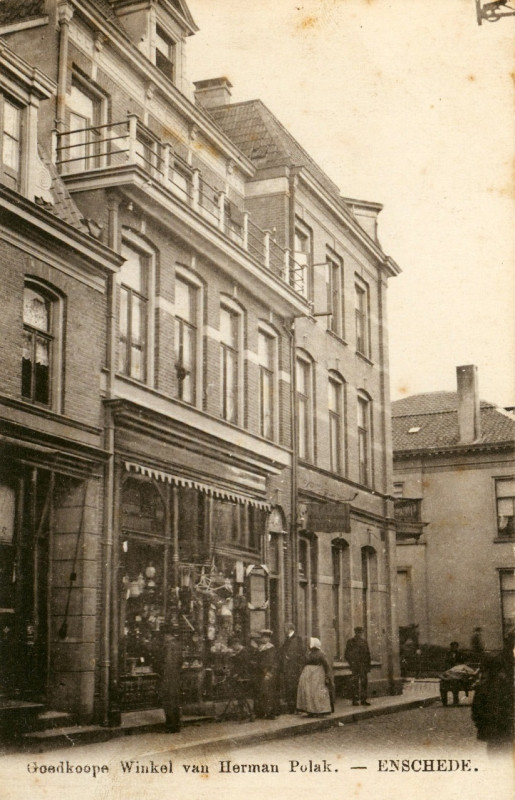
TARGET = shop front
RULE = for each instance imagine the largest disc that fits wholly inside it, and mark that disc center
(201, 558)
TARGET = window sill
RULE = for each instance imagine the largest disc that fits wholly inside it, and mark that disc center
(504, 539)
(365, 358)
(338, 338)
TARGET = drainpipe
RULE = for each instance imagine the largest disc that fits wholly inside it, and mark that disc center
(386, 534)
(107, 644)
(293, 414)
(64, 16)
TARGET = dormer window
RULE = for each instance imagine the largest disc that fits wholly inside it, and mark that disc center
(165, 53)
(10, 117)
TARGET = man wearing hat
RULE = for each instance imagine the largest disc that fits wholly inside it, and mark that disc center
(357, 656)
(292, 660)
(266, 697)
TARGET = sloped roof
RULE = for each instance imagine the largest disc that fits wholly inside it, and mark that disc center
(16, 10)
(63, 206)
(265, 141)
(433, 419)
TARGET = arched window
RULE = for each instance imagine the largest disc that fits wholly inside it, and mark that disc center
(41, 345)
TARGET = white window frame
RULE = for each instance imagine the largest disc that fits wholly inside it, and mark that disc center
(364, 401)
(335, 294)
(14, 176)
(307, 451)
(136, 243)
(56, 335)
(498, 480)
(235, 309)
(271, 335)
(187, 276)
(338, 465)
(362, 317)
(304, 257)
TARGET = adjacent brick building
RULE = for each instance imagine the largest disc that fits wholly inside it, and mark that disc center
(232, 372)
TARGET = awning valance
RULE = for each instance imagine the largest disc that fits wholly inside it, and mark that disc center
(209, 489)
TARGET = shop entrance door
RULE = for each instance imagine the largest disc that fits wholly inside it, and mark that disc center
(24, 578)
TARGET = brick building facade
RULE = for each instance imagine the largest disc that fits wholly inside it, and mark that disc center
(221, 355)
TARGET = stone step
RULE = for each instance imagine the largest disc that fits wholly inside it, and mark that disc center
(132, 723)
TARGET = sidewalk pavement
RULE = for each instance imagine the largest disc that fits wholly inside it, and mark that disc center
(210, 734)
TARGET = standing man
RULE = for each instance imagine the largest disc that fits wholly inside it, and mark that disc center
(292, 660)
(266, 705)
(357, 655)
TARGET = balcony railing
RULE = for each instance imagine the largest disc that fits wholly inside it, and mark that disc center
(129, 142)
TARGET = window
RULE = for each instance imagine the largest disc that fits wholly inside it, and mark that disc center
(302, 257)
(40, 312)
(133, 313)
(364, 440)
(334, 279)
(267, 346)
(507, 579)
(340, 556)
(83, 141)
(307, 612)
(304, 388)
(165, 52)
(335, 402)
(362, 319)
(229, 362)
(10, 119)
(505, 496)
(186, 336)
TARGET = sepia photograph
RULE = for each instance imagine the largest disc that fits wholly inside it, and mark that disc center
(257, 401)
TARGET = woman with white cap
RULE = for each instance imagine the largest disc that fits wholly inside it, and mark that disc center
(315, 693)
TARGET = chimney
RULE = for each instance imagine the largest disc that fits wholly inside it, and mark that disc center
(469, 421)
(213, 92)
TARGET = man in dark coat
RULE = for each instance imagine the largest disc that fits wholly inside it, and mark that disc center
(357, 656)
(292, 660)
(266, 696)
(492, 706)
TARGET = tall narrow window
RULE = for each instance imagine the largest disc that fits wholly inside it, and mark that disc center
(335, 402)
(133, 314)
(364, 449)
(505, 497)
(229, 362)
(186, 304)
(11, 143)
(38, 346)
(362, 320)
(165, 53)
(83, 141)
(334, 282)
(302, 257)
(304, 381)
(266, 356)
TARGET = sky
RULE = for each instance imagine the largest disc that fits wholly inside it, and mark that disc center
(408, 103)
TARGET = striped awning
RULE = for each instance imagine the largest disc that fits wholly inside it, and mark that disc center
(209, 489)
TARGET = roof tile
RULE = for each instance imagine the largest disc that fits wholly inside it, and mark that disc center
(432, 419)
